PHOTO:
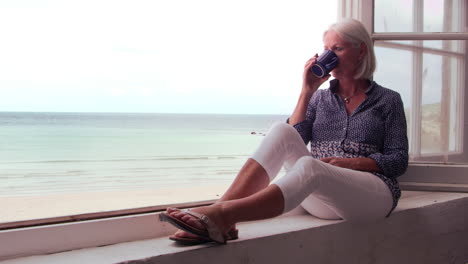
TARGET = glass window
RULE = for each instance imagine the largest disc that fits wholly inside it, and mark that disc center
(393, 16)
(396, 76)
(434, 100)
(443, 16)
(419, 16)
(109, 105)
(431, 82)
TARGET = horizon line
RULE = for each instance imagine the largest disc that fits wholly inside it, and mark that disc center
(169, 113)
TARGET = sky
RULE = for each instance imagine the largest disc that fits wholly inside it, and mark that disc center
(185, 56)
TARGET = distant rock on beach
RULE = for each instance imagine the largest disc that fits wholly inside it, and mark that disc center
(257, 133)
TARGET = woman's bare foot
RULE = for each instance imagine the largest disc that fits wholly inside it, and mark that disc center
(182, 234)
(213, 212)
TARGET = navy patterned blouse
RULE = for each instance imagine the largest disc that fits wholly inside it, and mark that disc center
(376, 129)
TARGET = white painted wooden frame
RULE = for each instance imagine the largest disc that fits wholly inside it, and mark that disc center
(420, 176)
(52, 235)
(434, 177)
(45, 236)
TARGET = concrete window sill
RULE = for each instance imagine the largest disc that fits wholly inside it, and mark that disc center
(426, 227)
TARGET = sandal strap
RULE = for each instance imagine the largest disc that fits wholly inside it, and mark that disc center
(213, 230)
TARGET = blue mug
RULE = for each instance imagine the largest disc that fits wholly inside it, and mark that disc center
(326, 62)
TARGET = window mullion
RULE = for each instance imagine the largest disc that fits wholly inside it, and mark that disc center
(446, 84)
(416, 96)
(462, 107)
(416, 113)
(367, 14)
(459, 54)
(420, 36)
(361, 10)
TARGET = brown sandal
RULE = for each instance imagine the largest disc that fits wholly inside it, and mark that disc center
(210, 233)
(233, 234)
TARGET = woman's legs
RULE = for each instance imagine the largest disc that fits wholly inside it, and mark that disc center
(351, 195)
(323, 189)
(331, 192)
(250, 179)
(264, 204)
(281, 145)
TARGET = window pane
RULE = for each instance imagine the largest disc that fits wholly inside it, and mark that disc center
(396, 76)
(393, 16)
(443, 16)
(435, 16)
(434, 97)
(90, 88)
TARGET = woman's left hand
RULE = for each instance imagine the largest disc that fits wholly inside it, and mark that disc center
(348, 163)
(362, 164)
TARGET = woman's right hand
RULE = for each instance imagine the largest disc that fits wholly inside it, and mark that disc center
(310, 82)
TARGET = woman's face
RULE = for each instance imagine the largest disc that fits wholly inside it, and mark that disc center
(348, 55)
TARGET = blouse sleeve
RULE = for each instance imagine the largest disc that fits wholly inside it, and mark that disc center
(304, 128)
(393, 159)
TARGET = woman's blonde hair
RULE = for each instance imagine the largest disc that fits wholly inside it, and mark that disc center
(353, 31)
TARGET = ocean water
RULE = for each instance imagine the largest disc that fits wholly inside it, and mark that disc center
(47, 153)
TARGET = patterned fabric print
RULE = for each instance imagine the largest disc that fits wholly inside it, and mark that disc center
(348, 149)
(376, 129)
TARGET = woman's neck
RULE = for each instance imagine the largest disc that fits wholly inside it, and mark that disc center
(348, 87)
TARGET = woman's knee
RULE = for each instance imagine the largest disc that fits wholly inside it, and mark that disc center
(309, 171)
(299, 182)
(282, 130)
(309, 164)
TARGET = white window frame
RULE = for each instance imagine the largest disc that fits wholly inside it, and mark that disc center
(45, 236)
(52, 235)
(421, 176)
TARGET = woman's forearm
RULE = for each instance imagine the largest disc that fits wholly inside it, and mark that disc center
(299, 113)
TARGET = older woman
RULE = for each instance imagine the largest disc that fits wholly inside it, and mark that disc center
(358, 146)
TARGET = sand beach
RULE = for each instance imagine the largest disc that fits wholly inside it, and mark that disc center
(71, 206)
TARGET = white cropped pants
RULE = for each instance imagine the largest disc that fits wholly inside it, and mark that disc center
(323, 190)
